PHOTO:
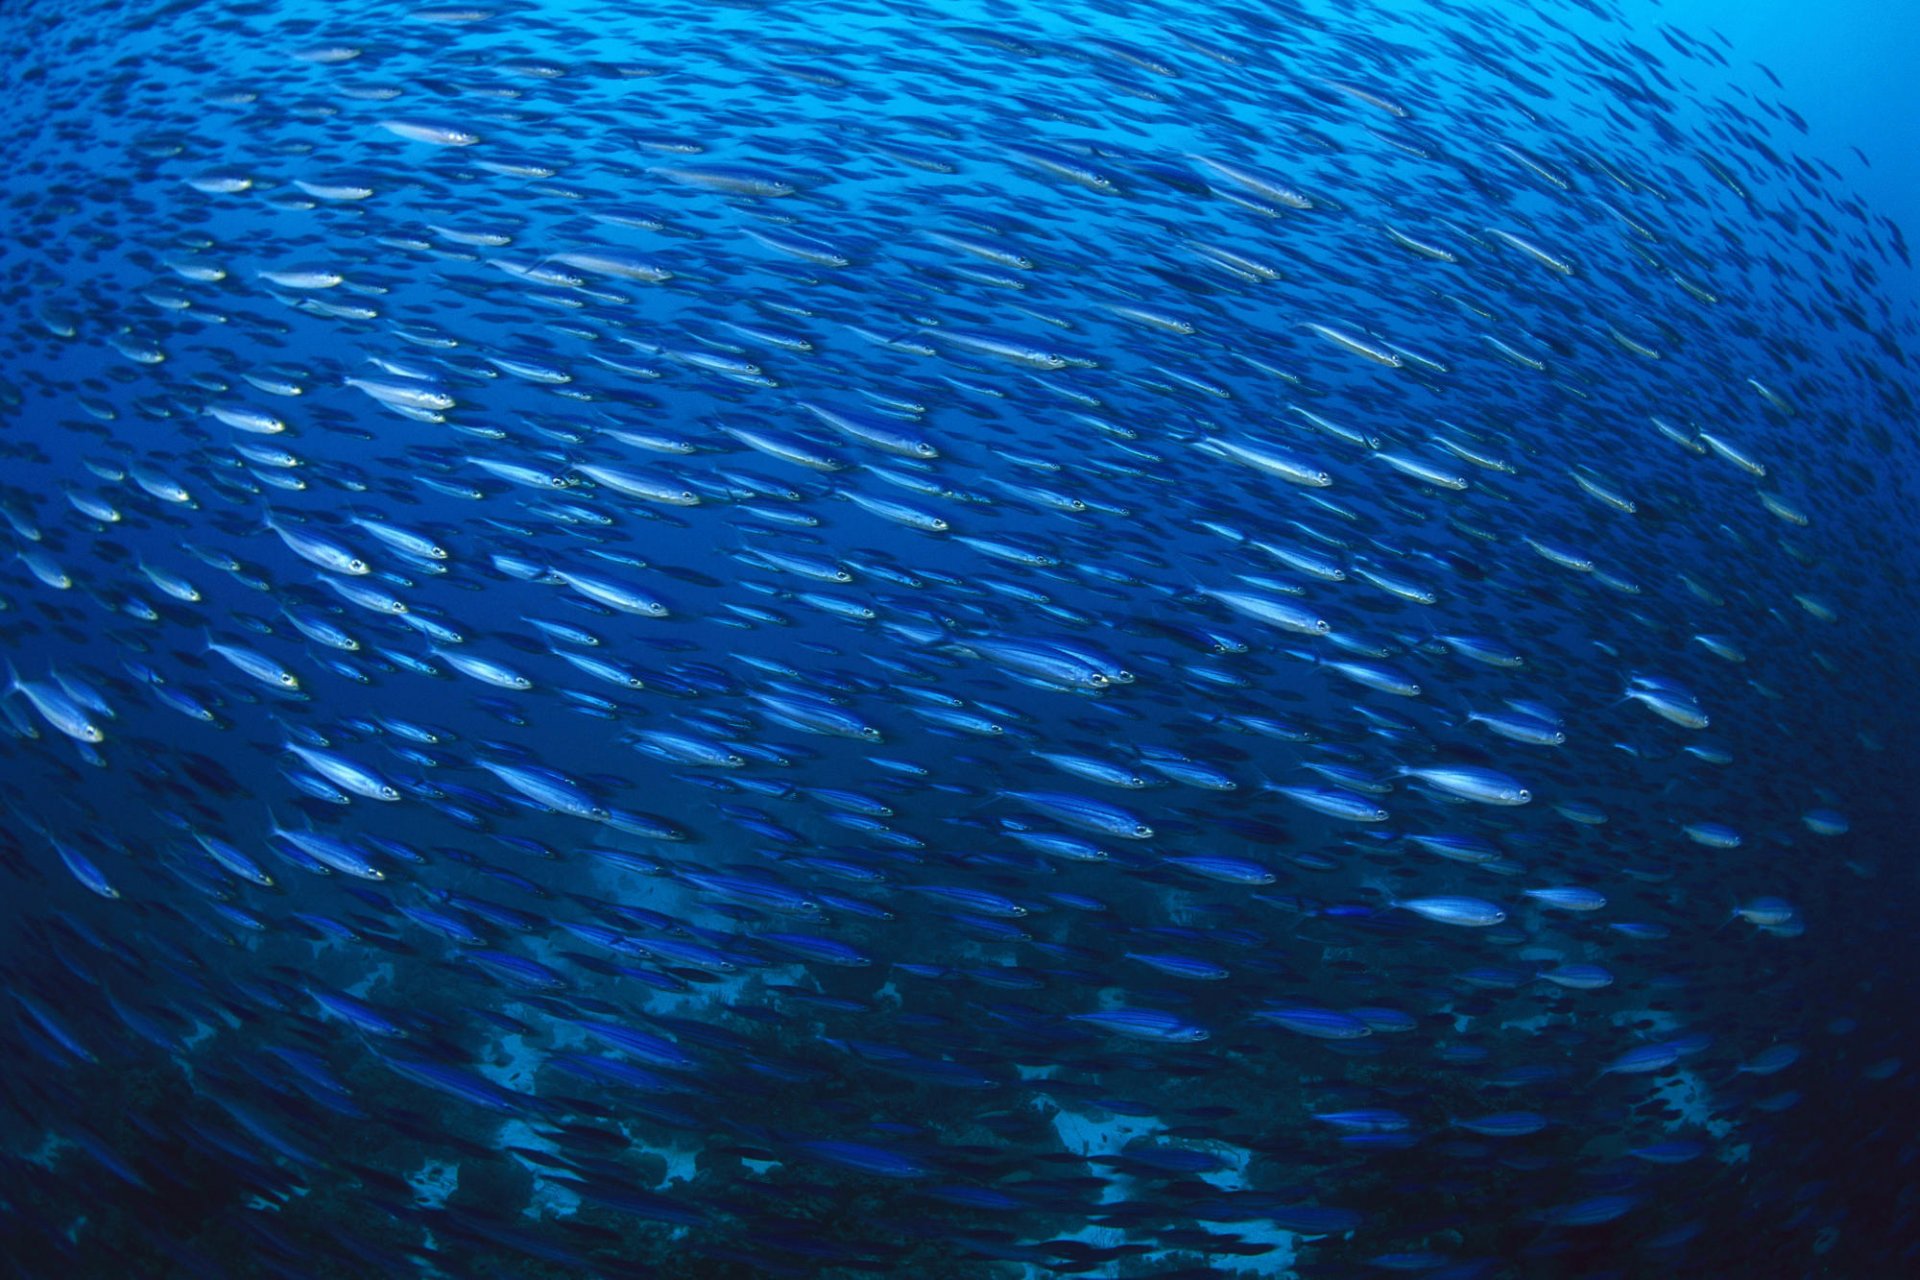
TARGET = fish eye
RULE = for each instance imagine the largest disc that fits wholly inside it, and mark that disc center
(1320, 625)
(1141, 831)
(843, 576)
(1523, 795)
(388, 793)
(356, 566)
(686, 495)
(1098, 680)
(288, 679)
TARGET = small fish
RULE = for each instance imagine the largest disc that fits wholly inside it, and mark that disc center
(1142, 1024)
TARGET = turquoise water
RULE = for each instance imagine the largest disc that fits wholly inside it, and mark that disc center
(790, 640)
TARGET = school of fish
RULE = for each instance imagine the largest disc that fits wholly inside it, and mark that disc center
(944, 640)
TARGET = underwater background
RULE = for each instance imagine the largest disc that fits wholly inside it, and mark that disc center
(958, 640)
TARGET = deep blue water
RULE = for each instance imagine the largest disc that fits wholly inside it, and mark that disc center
(954, 640)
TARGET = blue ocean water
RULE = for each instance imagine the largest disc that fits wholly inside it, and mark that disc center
(954, 640)
(1841, 66)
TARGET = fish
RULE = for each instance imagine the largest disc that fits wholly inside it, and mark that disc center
(766, 640)
(1142, 1024)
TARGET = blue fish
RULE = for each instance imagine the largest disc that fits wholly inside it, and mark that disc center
(779, 640)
